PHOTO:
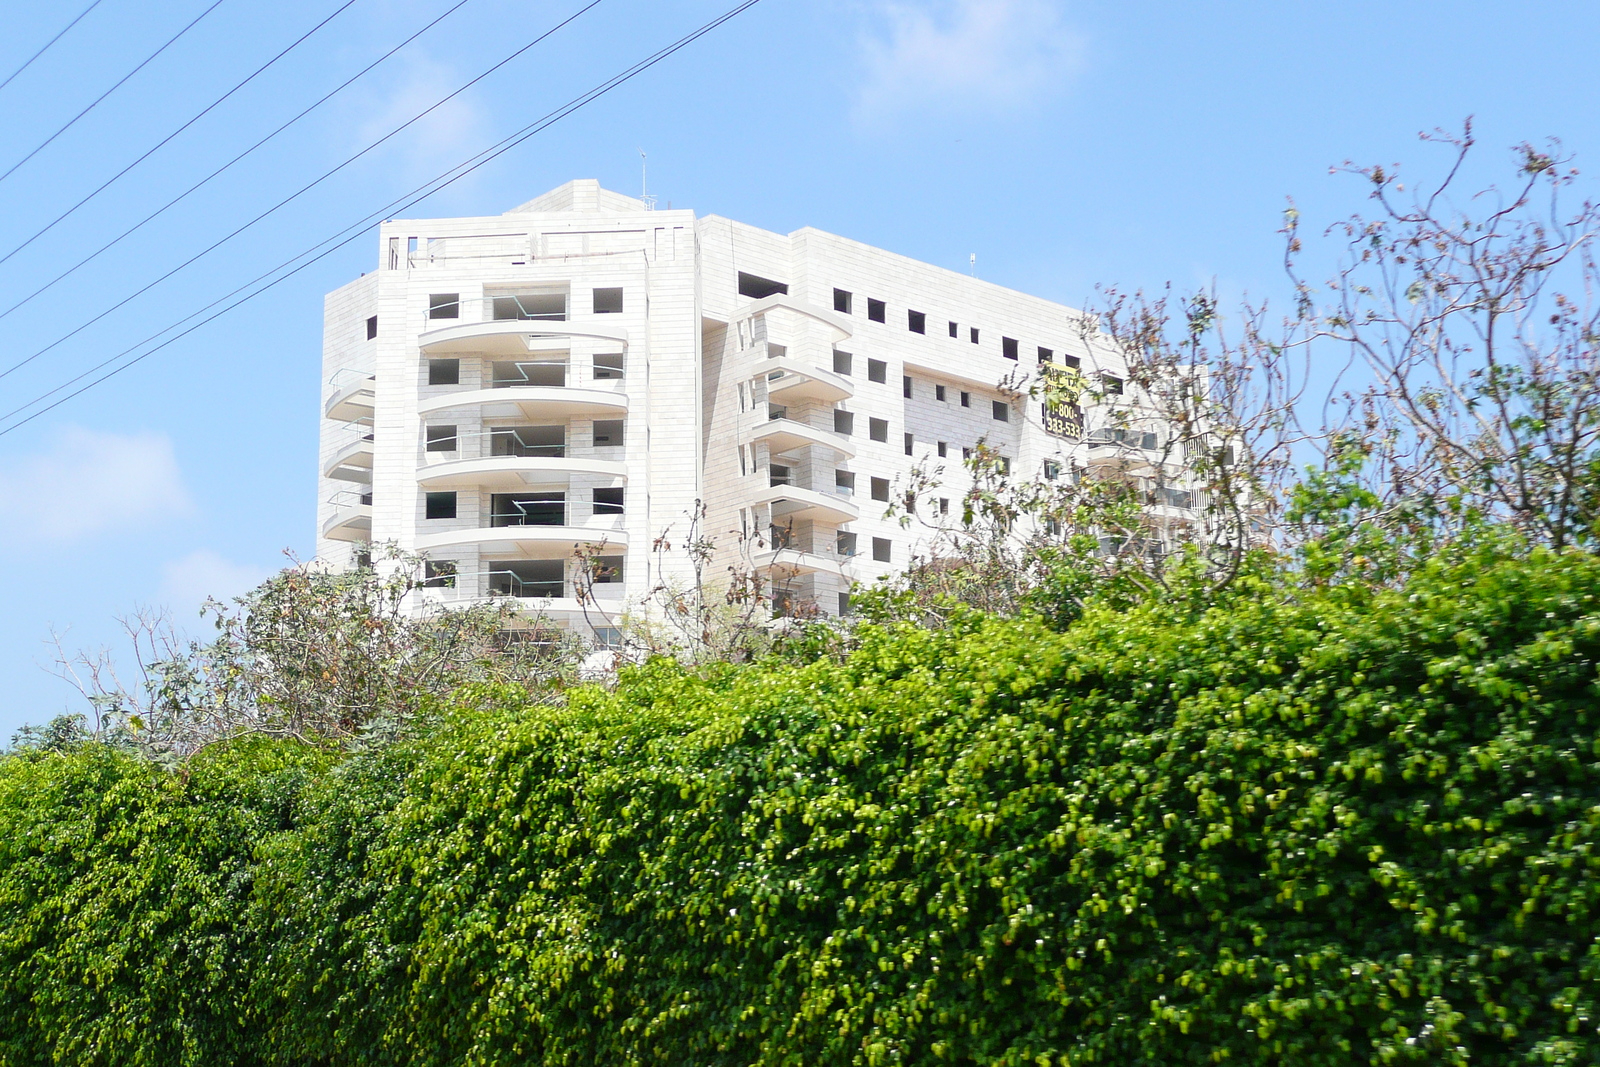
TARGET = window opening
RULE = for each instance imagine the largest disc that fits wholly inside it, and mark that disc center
(444, 372)
(880, 549)
(444, 306)
(547, 508)
(608, 501)
(844, 482)
(527, 577)
(549, 373)
(608, 366)
(905, 386)
(608, 433)
(1002, 410)
(759, 288)
(916, 322)
(843, 421)
(608, 301)
(546, 306)
(844, 544)
(841, 301)
(439, 574)
(1009, 347)
(441, 439)
(938, 392)
(878, 429)
(974, 335)
(440, 505)
(876, 310)
(880, 489)
(372, 327)
(841, 362)
(910, 442)
(877, 370)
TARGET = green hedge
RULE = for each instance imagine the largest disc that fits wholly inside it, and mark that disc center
(1337, 828)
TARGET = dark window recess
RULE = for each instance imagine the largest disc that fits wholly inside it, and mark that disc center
(880, 549)
(363, 559)
(528, 509)
(547, 441)
(608, 301)
(938, 392)
(607, 570)
(551, 307)
(966, 399)
(1005, 464)
(441, 439)
(844, 482)
(444, 372)
(779, 535)
(905, 386)
(1070, 361)
(944, 449)
(877, 370)
(1052, 470)
(954, 330)
(974, 335)
(844, 603)
(440, 506)
(526, 577)
(439, 574)
(776, 411)
(878, 429)
(1045, 355)
(608, 501)
(944, 505)
(1009, 347)
(845, 544)
(966, 453)
(841, 301)
(876, 310)
(444, 306)
(372, 327)
(910, 443)
(841, 363)
(916, 322)
(1111, 384)
(759, 288)
(607, 433)
(880, 489)
(844, 422)
(778, 474)
(783, 603)
(608, 365)
(1002, 410)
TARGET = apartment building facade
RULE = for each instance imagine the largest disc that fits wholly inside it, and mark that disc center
(560, 396)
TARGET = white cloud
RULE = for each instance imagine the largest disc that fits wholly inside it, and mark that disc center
(88, 482)
(187, 582)
(965, 56)
(452, 132)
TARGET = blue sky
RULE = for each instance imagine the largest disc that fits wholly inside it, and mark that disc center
(1066, 144)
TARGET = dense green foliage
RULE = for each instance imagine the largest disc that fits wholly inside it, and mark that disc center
(1335, 827)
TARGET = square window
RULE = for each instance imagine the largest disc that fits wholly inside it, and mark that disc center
(439, 574)
(844, 422)
(844, 603)
(841, 362)
(841, 301)
(1009, 347)
(880, 489)
(877, 370)
(876, 310)
(777, 411)
(607, 637)
(444, 306)
(938, 392)
(608, 366)
(1111, 384)
(1045, 355)
(878, 429)
(608, 301)
(910, 443)
(944, 449)
(607, 570)
(1071, 361)
(444, 372)
(974, 335)
(608, 501)
(845, 544)
(779, 474)
(844, 482)
(440, 505)
(954, 330)
(880, 549)
(966, 399)
(905, 386)
(1002, 411)
(372, 327)
(1052, 470)
(441, 438)
(608, 433)
(916, 322)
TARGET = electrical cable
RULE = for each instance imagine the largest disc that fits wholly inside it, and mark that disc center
(203, 181)
(46, 46)
(339, 239)
(95, 103)
(163, 142)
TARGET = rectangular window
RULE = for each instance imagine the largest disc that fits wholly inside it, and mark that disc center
(877, 370)
(1045, 355)
(845, 544)
(916, 322)
(844, 482)
(973, 333)
(1002, 410)
(608, 433)
(1052, 470)
(1005, 464)
(777, 411)
(954, 330)
(944, 505)
(1071, 361)
(880, 489)
(759, 288)
(547, 441)
(527, 577)
(905, 386)
(876, 310)
(841, 301)
(944, 449)
(441, 438)
(444, 372)
(439, 574)
(966, 453)
(372, 328)
(966, 399)
(608, 366)
(844, 603)
(608, 301)
(910, 443)
(444, 306)
(1111, 384)
(878, 429)
(844, 422)
(607, 570)
(778, 474)
(608, 501)
(607, 637)
(880, 549)
(1009, 347)
(841, 362)
(938, 392)
(440, 505)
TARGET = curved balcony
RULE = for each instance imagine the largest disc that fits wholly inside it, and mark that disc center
(527, 542)
(352, 463)
(533, 401)
(792, 502)
(355, 401)
(792, 561)
(792, 381)
(353, 522)
(788, 319)
(781, 435)
(514, 472)
(507, 337)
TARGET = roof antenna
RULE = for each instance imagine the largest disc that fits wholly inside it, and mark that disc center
(972, 264)
(644, 183)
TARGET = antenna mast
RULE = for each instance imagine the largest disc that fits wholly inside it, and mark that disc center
(644, 183)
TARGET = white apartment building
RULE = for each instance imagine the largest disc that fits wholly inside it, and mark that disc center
(583, 374)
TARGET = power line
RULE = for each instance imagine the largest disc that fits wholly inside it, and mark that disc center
(203, 181)
(345, 236)
(144, 63)
(46, 46)
(163, 142)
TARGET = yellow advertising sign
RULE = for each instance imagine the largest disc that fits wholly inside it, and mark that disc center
(1062, 416)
